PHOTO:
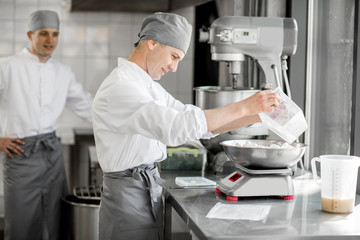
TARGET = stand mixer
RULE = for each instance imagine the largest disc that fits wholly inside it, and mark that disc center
(265, 40)
(268, 42)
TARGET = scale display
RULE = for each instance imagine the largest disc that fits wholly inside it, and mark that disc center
(235, 177)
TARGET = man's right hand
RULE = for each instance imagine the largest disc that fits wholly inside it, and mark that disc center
(10, 145)
(240, 114)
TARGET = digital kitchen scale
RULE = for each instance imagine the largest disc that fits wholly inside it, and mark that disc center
(246, 182)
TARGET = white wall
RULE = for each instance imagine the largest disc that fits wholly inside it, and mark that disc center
(90, 42)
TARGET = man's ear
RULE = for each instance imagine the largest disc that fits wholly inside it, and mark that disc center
(29, 35)
(151, 44)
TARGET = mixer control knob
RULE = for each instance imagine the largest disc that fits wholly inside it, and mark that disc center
(204, 35)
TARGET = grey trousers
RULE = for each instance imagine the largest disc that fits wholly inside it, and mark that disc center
(131, 205)
(34, 184)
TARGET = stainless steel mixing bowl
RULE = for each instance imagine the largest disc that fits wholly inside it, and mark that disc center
(263, 158)
(208, 97)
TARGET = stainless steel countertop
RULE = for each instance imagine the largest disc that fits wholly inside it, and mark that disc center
(301, 218)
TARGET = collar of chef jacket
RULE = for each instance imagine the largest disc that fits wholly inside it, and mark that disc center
(26, 53)
(145, 77)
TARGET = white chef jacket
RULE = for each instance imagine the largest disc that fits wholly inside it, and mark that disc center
(33, 95)
(134, 119)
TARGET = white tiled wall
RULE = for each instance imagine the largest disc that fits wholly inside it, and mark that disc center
(90, 42)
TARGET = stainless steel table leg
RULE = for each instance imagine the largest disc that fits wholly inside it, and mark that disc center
(167, 221)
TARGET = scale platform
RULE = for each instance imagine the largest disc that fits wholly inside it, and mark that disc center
(257, 183)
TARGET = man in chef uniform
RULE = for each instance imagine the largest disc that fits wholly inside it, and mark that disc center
(34, 89)
(134, 119)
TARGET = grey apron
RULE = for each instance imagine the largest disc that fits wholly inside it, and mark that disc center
(131, 205)
(34, 183)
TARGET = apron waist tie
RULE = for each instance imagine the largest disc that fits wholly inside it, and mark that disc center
(145, 173)
(36, 143)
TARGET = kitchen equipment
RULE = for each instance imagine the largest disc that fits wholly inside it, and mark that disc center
(207, 97)
(186, 157)
(194, 181)
(338, 181)
(89, 192)
(267, 42)
(264, 39)
(216, 96)
(287, 120)
(82, 218)
(82, 213)
(262, 170)
(95, 173)
(266, 154)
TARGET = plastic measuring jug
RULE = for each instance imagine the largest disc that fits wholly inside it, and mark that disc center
(287, 120)
(338, 181)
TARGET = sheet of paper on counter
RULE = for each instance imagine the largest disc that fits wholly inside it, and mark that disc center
(239, 212)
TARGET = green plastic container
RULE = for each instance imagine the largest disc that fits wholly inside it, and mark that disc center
(184, 159)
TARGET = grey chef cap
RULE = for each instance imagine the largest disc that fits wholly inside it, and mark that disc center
(166, 28)
(43, 19)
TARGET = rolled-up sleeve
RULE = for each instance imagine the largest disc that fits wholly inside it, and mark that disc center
(174, 103)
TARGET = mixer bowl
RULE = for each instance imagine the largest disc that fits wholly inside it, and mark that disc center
(209, 97)
(263, 157)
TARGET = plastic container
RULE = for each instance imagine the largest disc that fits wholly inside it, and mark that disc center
(184, 158)
(287, 120)
(194, 181)
(338, 181)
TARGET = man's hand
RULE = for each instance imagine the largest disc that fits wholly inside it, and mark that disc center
(262, 101)
(10, 145)
(226, 118)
